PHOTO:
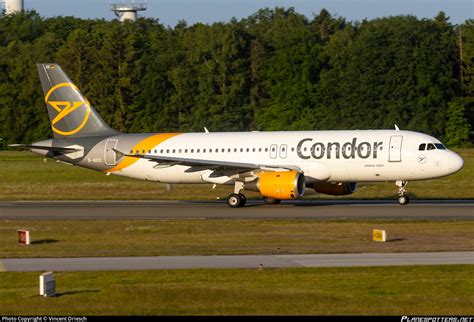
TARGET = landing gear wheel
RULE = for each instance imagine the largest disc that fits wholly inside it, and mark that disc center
(403, 200)
(234, 200)
(243, 199)
(402, 197)
(271, 201)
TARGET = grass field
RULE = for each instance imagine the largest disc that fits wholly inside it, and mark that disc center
(24, 176)
(72, 238)
(409, 290)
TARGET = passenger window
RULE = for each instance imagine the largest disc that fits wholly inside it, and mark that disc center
(247, 149)
(174, 151)
(422, 147)
(235, 150)
(167, 151)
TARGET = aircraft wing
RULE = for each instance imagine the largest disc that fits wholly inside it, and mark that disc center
(211, 164)
(41, 147)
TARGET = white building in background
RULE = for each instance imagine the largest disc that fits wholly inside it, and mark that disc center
(127, 10)
(13, 6)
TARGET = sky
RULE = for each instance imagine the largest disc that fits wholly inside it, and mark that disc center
(169, 12)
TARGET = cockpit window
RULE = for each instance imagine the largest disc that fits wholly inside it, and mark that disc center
(440, 146)
(422, 147)
(431, 146)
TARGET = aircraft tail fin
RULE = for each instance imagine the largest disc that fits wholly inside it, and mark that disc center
(70, 113)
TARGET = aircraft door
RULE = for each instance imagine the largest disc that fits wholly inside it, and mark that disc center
(109, 154)
(395, 148)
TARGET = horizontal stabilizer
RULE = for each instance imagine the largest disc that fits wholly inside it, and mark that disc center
(41, 147)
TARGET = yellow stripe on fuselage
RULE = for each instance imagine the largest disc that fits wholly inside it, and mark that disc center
(147, 144)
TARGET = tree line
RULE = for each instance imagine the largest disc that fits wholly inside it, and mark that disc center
(274, 70)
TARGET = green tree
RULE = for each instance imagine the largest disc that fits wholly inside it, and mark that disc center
(457, 126)
(211, 84)
(466, 33)
(391, 70)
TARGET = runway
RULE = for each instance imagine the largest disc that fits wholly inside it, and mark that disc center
(302, 209)
(235, 261)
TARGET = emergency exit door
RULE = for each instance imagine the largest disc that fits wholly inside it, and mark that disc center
(109, 153)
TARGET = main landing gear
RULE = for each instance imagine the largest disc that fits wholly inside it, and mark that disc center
(402, 196)
(271, 201)
(237, 199)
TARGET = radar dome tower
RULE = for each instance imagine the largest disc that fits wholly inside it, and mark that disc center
(127, 10)
(13, 6)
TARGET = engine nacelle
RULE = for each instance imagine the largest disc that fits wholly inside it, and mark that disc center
(335, 188)
(279, 185)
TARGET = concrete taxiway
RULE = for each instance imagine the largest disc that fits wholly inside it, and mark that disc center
(301, 209)
(235, 261)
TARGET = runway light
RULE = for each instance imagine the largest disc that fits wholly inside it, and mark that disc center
(379, 235)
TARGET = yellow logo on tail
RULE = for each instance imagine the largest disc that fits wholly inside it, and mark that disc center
(65, 108)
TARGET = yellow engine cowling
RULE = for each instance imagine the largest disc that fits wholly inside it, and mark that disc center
(335, 188)
(279, 185)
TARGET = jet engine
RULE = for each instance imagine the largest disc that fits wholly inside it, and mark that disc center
(279, 185)
(335, 188)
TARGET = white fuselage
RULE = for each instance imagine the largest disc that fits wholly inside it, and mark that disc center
(335, 156)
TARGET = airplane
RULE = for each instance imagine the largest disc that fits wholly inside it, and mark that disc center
(279, 165)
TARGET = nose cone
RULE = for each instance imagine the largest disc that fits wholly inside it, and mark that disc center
(455, 163)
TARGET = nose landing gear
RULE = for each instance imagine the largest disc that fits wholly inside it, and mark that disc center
(402, 196)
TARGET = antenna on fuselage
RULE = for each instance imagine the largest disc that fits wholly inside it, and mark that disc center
(396, 128)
